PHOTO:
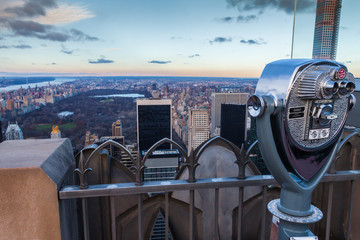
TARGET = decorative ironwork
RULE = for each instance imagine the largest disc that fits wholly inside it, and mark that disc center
(81, 171)
(83, 168)
(332, 168)
(191, 160)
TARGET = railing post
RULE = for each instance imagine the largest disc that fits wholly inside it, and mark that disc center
(85, 219)
(167, 215)
(216, 220)
(329, 211)
(191, 221)
(263, 210)
(240, 212)
(140, 218)
(113, 220)
(349, 212)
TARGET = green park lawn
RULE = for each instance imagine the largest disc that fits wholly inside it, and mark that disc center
(48, 127)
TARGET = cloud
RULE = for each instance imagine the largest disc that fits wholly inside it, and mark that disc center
(221, 40)
(195, 55)
(30, 19)
(240, 18)
(65, 50)
(32, 8)
(78, 35)
(37, 30)
(159, 62)
(253, 42)
(175, 38)
(53, 63)
(100, 60)
(22, 46)
(28, 28)
(247, 18)
(282, 5)
(46, 32)
(226, 19)
(65, 14)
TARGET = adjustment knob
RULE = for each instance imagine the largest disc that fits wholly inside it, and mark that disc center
(325, 114)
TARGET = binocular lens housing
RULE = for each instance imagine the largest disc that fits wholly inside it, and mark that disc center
(331, 87)
(346, 87)
(256, 106)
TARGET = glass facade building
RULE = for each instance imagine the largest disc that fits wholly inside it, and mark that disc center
(233, 123)
(154, 122)
(327, 23)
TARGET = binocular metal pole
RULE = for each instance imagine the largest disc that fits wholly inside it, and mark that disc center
(294, 207)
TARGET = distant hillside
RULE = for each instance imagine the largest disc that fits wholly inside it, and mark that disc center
(17, 81)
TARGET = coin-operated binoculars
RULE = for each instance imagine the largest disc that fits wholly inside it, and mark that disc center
(300, 107)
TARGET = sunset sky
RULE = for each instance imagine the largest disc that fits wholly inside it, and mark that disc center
(225, 38)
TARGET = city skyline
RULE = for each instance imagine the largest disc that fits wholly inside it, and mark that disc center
(228, 38)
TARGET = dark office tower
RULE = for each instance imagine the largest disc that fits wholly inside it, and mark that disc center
(233, 123)
(327, 23)
(153, 86)
(153, 122)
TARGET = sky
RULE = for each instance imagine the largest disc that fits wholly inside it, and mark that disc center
(211, 38)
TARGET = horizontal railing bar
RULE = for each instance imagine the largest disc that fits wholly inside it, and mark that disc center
(117, 189)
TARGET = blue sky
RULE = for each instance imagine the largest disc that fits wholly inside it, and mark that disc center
(227, 38)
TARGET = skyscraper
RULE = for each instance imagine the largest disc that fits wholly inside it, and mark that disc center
(198, 127)
(117, 129)
(13, 132)
(326, 29)
(233, 123)
(153, 122)
(217, 100)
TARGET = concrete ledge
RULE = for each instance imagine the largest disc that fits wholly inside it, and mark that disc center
(31, 172)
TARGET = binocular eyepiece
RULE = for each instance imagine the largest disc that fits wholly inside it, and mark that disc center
(346, 87)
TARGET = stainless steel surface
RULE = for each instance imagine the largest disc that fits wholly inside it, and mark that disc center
(256, 106)
(313, 96)
(277, 78)
(352, 101)
(346, 87)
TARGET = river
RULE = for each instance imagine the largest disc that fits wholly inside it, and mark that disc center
(57, 81)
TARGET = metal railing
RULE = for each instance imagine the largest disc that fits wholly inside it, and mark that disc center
(139, 187)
